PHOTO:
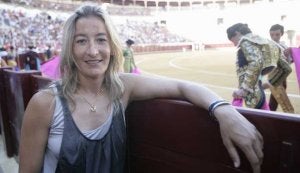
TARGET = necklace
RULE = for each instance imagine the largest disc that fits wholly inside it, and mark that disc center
(93, 107)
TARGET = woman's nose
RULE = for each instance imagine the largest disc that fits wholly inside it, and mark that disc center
(93, 49)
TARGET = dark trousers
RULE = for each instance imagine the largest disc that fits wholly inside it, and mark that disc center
(273, 103)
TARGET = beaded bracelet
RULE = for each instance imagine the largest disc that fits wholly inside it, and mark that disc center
(216, 104)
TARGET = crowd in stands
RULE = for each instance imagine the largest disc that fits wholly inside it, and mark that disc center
(147, 33)
(50, 5)
(64, 6)
(128, 10)
(20, 29)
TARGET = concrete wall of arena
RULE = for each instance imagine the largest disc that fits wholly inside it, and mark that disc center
(192, 46)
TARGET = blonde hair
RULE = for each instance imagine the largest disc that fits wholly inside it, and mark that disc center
(70, 81)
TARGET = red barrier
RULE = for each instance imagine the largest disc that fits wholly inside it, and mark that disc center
(172, 135)
(4, 119)
(17, 92)
(175, 136)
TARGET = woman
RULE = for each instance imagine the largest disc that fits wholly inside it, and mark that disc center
(77, 124)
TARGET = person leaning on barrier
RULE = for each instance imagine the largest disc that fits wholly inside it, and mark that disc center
(83, 129)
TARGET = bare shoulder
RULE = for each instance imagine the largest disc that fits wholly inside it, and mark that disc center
(43, 97)
(41, 106)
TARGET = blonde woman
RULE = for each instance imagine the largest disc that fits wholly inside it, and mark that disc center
(77, 124)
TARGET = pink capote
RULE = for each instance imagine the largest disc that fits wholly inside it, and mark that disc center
(136, 70)
(51, 68)
(266, 106)
(296, 58)
(239, 103)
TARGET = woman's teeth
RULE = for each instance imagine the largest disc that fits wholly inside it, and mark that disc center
(93, 61)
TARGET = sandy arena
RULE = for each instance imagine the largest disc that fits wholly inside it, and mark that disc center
(212, 68)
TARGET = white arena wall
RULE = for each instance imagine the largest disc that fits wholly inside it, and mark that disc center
(201, 25)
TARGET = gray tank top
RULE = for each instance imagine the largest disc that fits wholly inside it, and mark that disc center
(56, 135)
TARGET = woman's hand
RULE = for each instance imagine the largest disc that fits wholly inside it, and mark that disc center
(236, 130)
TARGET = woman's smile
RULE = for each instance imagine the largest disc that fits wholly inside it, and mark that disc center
(93, 61)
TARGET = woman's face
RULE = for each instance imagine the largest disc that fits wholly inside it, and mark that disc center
(91, 47)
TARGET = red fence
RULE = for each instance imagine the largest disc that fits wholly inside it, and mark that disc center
(167, 135)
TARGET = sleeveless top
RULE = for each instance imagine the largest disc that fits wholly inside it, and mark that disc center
(99, 150)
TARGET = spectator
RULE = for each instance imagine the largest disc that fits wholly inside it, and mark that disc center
(32, 59)
(48, 52)
(11, 56)
(77, 124)
(3, 54)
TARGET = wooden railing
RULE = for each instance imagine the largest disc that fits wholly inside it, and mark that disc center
(16, 89)
(167, 135)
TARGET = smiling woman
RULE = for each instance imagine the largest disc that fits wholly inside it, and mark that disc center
(91, 46)
(70, 127)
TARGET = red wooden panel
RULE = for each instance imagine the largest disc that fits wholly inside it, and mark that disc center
(39, 82)
(18, 91)
(175, 136)
(4, 119)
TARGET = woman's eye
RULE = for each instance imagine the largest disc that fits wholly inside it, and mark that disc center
(100, 40)
(81, 41)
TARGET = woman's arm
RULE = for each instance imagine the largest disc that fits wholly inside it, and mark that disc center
(141, 87)
(235, 129)
(34, 132)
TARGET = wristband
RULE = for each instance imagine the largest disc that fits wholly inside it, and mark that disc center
(216, 104)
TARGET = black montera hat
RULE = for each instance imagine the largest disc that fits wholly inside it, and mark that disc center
(129, 42)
